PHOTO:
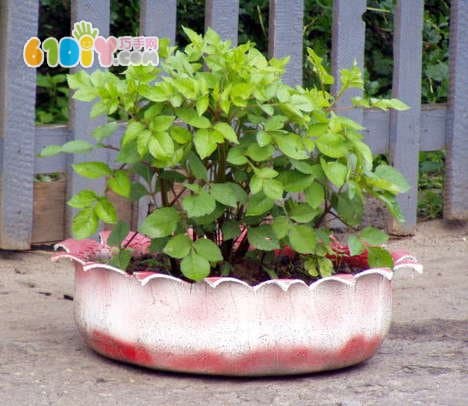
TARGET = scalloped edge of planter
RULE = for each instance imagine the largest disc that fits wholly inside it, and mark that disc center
(222, 325)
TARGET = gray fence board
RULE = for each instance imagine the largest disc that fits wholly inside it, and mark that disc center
(51, 135)
(401, 135)
(18, 21)
(223, 17)
(286, 21)
(456, 186)
(348, 39)
(158, 17)
(405, 125)
(81, 126)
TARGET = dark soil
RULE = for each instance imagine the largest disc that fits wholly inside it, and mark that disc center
(249, 270)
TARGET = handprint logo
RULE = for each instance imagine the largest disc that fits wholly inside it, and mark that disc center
(85, 34)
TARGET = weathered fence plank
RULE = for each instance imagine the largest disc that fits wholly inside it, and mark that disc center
(286, 21)
(223, 17)
(19, 20)
(81, 126)
(158, 18)
(348, 40)
(405, 125)
(456, 183)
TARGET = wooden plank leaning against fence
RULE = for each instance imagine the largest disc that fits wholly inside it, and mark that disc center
(402, 135)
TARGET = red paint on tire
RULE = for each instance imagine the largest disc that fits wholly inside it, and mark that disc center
(260, 362)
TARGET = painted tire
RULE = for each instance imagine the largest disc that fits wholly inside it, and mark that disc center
(222, 326)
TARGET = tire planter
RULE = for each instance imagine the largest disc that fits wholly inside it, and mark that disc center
(223, 326)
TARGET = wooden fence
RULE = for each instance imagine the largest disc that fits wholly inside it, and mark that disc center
(400, 134)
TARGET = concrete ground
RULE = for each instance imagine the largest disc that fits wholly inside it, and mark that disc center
(43, 361)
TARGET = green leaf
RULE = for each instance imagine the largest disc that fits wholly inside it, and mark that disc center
(205, 143)
(161, 123)
(263, 138)
(78, 79)
(158, 244)
(393, 176)
(236, 156)
(350, 210)
(302, 102)
(230, 229)
(118, 234)
(280, 226)
(83, 199)
(120, 183)
(373, 236)
(103, 131)
(332, 145)
(191, 117)
(263, 238)
(77, 147)
(317, 65)
(294, 181)
(227, 131)
(202, 104)
(355, 245)
(160, 223)
(396, 104)
(138, 191)
(157, 93)
(258, 153)
(122, 259)
(273, 189)
(208, 250)
(275, 123)
(178, 246)
(84, 224)
(379, 258)
(325, 266)
(196, 166)
(85, 94)
(392, 205)
(143, 142)
(92, 170)
(160, 145)
(50, 150)
(291, 145)
(195, 267)
(310, 266)
(259, 204)
(99, 109)
(266, 173)
(351, 78)
(133, 131)
(228, 193)
(105, 211)
(180, 134)
(305, 167)
(198, 205)
(301, 212)
(302, 239)
(255, 184)
(315, 195)
(335, 172)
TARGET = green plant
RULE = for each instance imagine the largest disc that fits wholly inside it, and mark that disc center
(52, 98)
(431, 183)
(222, 148)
